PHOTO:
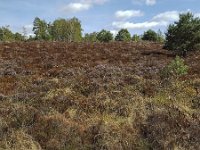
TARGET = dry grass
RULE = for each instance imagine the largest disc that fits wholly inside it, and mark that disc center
(60, 96)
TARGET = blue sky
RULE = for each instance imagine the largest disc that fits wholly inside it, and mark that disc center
(135, 15)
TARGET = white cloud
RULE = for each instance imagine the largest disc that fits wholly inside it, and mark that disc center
(98, 2)
(159, 20)
(30, 34)
(76, 7)
(147, 2)
(167, 16)
(82, 5)
(197, 15)
(162, 19)
(170, 16)
(26, 29)
(125, 14)
(143, 25)
(114, 32)
(29, 26)
(150, 2)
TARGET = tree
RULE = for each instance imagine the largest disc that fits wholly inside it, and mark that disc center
(19, 37)
(24, 31)
(150, 35)
(59, 30)
(31, 38)
(104, 36)
(90, 37)
(66, 30)
(6, 34)
(184, 35)
(40, 29)
(160, 36)
(123, 35)
(76, 30)
(136, 38)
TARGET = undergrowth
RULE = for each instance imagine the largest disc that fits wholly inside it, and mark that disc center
(101, 107)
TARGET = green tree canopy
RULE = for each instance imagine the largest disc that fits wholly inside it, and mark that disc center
(184, 35)
(59, 30)
(136, 38)
(123, 35)
(6, 34)
(66, 30)
(40, 29)
(19, 37)
(104, 36)
(149, 35)
(76, 29)
(90, 37)
(160, 36)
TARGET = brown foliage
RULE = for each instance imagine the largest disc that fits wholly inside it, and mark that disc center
(56, 95)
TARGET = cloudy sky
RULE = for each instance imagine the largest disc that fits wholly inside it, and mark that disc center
(135, 15)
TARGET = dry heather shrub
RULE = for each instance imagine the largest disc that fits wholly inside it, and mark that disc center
(17, 115)
(177, 92)
(172, 128)
(109, 134)
(61, 100)
(196, 103)
(114, 131)
(196, 85)
(7, 85)
(3, 127)
(19, 140)
(196, 100)
(64, 133)
(149, 88)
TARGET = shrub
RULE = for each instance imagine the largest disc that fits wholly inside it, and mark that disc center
(150, 35)
(175, 69)
(19, 37)
(6, 34)
(90, 37)
(184, 35)
(123, 35)
(104, 36)
(136, 38)
(160, 36)
(19, 140)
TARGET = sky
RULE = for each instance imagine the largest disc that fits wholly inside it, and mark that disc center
(135, 15)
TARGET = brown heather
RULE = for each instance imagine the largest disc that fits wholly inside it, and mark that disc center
(82, 96)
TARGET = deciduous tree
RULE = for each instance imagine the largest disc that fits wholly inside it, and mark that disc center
(6, 34)
(90, 37)
(40, 29)
(104, 36)
(123, 35)
(150, 35)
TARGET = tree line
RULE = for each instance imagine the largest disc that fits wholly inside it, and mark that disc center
(7, 35)
(59, 30)
(181, 36)
(124, 35)
(70, 30)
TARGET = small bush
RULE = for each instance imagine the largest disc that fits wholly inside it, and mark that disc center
(175, 69)
(136, 38)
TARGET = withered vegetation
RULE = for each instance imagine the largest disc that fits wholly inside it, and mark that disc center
(59, 96)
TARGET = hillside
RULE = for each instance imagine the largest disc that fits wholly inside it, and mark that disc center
(58, 96)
